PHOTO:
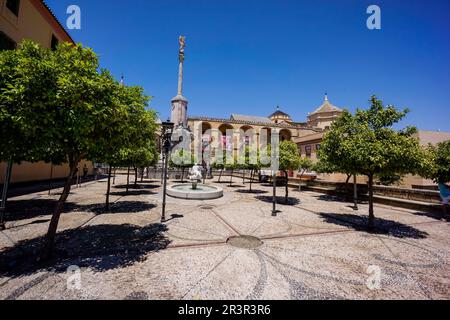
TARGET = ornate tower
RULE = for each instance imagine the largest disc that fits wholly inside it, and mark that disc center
(180, 103)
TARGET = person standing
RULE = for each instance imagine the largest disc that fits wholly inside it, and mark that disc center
(444, 190)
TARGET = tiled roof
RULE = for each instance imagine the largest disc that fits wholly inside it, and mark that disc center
(279, 113)
(327, 107)
(56, 19)
(241, 117)
(310, 137)
(271, 124)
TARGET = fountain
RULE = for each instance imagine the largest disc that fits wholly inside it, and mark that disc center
(195, 190)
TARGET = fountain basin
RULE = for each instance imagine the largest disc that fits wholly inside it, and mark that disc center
(203, 192)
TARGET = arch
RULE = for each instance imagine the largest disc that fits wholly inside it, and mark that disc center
(224, 127)
(247, 135)
(206, 126)
(285, 135)
(226, 140)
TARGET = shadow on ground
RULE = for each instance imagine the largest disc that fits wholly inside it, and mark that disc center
(29, 209)
(255, 191)
(382, 226)
(136, 187)
(433, 215)
(291, 201)
(99, 247)
(135, 192)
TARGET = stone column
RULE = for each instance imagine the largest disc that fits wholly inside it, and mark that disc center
(180, 103)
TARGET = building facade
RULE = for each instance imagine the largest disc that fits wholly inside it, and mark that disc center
(33, 20)
(241, 130)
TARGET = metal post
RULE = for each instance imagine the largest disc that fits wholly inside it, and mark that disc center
(163, 215)
(355, 193)
(274, 208)
(162, 168)
(5, 194)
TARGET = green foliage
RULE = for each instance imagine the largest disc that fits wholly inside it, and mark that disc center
(58, 106)
(27, 89)
(438, 163)
(249, 159)
(305, 164)
(366, 144)
(182, 159)
(289, 156)
(389, 180)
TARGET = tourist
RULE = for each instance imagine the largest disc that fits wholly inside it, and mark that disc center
(445, 195)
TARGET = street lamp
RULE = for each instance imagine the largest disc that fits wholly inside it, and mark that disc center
(274, 199)
(167, 145)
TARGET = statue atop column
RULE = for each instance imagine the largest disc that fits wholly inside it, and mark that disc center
(180, 103)
(182, 41)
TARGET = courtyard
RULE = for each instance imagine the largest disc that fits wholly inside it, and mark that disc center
(317, 247)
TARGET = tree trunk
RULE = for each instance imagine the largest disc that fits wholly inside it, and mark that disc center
(355, 193)
(114, 178)
(5, 194)
(251, 179)
(231, 178)
(286, 197)
(300, 183)
(220, 176)
(50, 181)
(182, 175)
(135, 176)
(108, 190)
(53, 227)
(347, 187)
(128, 179)
(243, 176)
(371, 213)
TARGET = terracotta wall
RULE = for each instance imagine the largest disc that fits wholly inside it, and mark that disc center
(26, 172)
(34, 22)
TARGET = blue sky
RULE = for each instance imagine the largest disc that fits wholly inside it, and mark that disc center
(247, 57)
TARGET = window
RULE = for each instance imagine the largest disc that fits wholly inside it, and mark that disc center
(6, 43)
(308, 151)
(55, 42)
(13, 6)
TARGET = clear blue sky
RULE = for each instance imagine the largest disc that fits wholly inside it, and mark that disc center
(248, 57)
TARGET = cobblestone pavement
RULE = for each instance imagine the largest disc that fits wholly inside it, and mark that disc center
(315, 248)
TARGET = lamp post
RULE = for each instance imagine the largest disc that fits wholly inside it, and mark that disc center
(167, 145)
(274, 200)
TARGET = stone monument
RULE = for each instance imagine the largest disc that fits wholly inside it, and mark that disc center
(180, 103)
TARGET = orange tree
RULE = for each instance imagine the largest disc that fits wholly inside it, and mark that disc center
(365, 143)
